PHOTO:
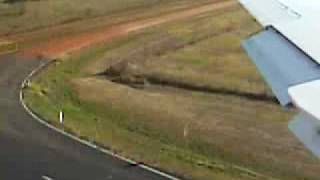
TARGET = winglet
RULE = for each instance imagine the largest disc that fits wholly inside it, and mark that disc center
(280, 62)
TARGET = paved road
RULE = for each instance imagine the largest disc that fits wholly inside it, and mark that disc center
(29, 150)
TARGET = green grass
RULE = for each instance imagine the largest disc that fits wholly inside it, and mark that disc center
(228, 137)
(121, 134)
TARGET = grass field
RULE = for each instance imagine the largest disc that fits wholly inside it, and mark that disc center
(32, 15)
(182, 97)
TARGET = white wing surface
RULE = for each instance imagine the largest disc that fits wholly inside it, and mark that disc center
(287, 53)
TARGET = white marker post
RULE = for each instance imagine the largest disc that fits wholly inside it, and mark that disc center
(46, 178)
(61, 117)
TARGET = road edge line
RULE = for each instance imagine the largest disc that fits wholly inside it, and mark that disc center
(75, 138)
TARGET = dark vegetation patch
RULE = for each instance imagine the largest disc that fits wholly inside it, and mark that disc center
(128, 74)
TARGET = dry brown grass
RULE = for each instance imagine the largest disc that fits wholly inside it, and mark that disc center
(204, 53)
(30, 15)
(224, 125)
(249, 132)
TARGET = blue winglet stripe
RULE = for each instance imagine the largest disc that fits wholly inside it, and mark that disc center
(280, 62)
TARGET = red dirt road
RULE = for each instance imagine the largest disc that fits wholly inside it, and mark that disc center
(63, 45)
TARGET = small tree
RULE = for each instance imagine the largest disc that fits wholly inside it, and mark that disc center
(18, 6)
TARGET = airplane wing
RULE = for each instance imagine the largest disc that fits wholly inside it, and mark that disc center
(287, 53)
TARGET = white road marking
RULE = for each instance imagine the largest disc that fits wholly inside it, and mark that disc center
(46, 178)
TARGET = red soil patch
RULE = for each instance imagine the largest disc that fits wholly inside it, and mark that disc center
(76, 42)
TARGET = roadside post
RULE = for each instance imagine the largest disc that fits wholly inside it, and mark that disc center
(61, 117)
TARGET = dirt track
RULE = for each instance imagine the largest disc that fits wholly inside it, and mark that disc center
(69, 44)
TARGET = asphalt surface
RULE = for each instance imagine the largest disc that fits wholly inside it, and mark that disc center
(29, 150)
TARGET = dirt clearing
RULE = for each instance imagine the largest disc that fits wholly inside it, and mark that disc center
(69, 44)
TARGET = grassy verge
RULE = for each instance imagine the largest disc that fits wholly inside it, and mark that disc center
(113, 128)
(197, 135)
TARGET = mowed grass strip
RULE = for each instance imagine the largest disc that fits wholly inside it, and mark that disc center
(194, 134)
